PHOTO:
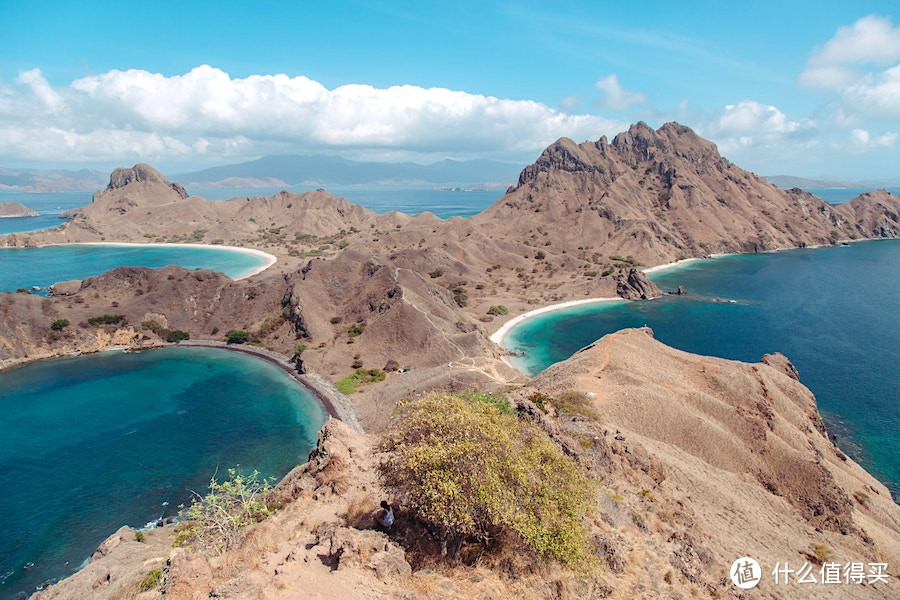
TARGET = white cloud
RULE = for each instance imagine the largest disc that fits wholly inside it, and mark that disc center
(876, 95)
(617, 97)
(137, 115)
(861, 140)
(853, 63)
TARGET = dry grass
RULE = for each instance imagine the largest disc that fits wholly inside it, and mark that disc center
(576, 403)
(357, 508)
(334, 475)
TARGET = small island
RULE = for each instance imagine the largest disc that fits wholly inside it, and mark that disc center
(10, 210)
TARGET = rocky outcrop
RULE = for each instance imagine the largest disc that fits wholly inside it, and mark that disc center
(632, 284)
(14, 209)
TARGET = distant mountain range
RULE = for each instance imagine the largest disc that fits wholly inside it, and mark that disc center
(38, 180)
(787, 182)
(294, 170)
(285, 171)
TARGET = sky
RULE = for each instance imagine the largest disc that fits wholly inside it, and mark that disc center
(801, 88)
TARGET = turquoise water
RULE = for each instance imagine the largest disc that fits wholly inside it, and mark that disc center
(49, 205)
(89, 444)
(834, 312)
(42, 267)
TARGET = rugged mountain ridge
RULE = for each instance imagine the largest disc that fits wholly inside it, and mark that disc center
(664, 194)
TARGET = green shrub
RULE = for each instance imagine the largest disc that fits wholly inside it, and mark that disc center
(476, 472)
(498, 309)
(176, 335)
(237, 336)
(356, 330)
(150, 581)
(216, 521)
(107, 320)
(436, 273)
(348, 384)
(59, 324)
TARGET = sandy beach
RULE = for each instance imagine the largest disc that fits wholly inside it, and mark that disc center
(269, 258)
(498, 336)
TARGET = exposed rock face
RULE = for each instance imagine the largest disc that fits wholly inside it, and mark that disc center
(632, 284)
(666, 194)
(14, 209)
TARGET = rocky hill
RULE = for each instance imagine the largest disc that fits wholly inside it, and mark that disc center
(697, 461)
(15, 209)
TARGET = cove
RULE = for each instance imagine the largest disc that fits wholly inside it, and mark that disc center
(91, 443)
(834, 312)
(44, 266)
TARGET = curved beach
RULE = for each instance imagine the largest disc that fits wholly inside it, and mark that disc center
(499, 336)
(269, 258)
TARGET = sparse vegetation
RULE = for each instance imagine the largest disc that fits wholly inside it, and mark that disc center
(436, 273)
(356, 330)
(237, 336)
(349, 384)
(575, 403)
(150, 581)
(107, 320)
(59, 324)
(216, 521)
(475, 472)
(176, 335)
(498, 309)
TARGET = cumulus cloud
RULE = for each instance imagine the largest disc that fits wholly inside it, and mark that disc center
(615, 96)
(752, 123)
(861, 63)
(861, 140)
(871, 40)
(138, 115)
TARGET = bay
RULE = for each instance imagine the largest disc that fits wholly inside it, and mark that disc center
(91, 443)
(42, 267)
(834, 312)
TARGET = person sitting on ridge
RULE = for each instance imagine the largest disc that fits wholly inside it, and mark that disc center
(385, 516)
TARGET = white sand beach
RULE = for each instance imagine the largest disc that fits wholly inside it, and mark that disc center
(269, 258)
(499, 335)
(671, 265)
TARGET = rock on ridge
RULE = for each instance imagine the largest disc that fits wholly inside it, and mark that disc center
(122, 177)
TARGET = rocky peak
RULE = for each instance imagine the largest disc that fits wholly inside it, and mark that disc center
(563, 155)
(122, 177)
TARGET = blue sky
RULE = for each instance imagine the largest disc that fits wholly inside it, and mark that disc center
(790, 87)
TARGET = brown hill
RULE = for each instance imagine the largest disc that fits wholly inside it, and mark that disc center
(729, 457)
(140, 205)
(698, 461)
(665, 194)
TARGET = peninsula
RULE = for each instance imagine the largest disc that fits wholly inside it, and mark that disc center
(704, 448)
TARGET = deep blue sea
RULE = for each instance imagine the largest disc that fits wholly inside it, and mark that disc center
(834, 312)
(89, 444)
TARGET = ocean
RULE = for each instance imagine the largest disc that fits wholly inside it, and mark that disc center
(834, 312)
(91, 443)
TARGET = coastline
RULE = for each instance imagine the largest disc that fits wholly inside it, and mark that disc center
(499, 336)
(336, 404)
(270, 259)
